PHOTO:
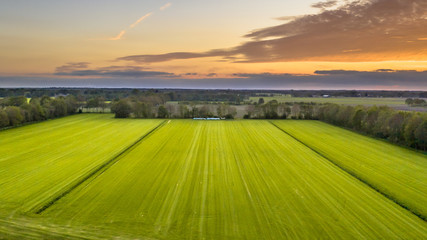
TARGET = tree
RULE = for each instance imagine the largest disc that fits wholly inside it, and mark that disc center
(250, 109)
(184, 112)
(409, 101)
(141, 110)
(261, 101)
(59, 107)
(4, 119)
(395, 127)
(296, 110)
(421, 135)
(16, 101)
(171, 109)
(370, 119)
(162, 112)
(410, 128)
(344, 116)
(92, 103)
(71, 103)
(358, 118)
(381, 126)
(14, 115)
(122, 109)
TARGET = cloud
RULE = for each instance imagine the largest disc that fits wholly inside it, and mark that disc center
(119, 77)
(343, 79)
(135, 76)
(123, 32)
(72, 66)
(133, 25)
(358, 31)
(165, 6)
(112, 71)
(171, 56)
(140, 20)
(119, 36)
(326, 4)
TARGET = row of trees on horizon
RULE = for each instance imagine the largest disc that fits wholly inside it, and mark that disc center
(15, 111)
(405, 128)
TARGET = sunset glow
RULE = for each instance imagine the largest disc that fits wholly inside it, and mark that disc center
(159, 44)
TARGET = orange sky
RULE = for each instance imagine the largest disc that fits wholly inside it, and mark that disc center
(200, 39)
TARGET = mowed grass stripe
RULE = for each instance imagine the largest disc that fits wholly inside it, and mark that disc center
(356, 177)
(33, 168)
(93, 173)
(399, 173)
(228, 180)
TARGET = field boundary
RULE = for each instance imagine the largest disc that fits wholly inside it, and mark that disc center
(95, 172)
(354, 175)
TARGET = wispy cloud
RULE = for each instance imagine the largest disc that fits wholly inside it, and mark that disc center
(72, 66)
(140, 20)
(165, 6)
(119, 36)
(123, 32)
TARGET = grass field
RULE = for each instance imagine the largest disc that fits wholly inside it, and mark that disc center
(197, 180)
(398, 172)
(39, 160)
(338, 100)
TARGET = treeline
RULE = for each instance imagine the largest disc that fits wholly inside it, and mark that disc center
(275, 110)
(201, 95)
(405, 128)
(141, 107)
(18, 110)
(416, 102)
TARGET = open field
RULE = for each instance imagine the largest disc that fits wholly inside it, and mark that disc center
(39, 160)
(398, 172)
(338, 100)
(200, 180)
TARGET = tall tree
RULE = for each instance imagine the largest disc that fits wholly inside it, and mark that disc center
(122, 109)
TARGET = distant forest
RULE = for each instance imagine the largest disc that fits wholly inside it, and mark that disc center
(198, 94)
(20, 106)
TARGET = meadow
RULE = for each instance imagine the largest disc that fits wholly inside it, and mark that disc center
(366, 101)
(93, 176)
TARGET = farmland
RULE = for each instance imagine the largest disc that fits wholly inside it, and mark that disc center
(367, 101)
(93, 176)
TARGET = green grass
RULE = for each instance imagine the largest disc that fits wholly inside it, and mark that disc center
(398, 172)
(39, 160)
(193, 180)
(338, 100)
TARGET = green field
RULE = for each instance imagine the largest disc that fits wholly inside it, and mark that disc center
(39, 160)
(395, 171)
(186, 179)
(397, 102)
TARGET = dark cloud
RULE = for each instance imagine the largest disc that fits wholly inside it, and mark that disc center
(363, 30)
(191, 74)
(263, 75)
(112, 71)
(211, 75)
(326, 4)
(322, 79)
(385, 70)
(342, 79)
(175, 55)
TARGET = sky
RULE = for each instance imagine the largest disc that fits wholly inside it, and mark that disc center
(239, 44)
